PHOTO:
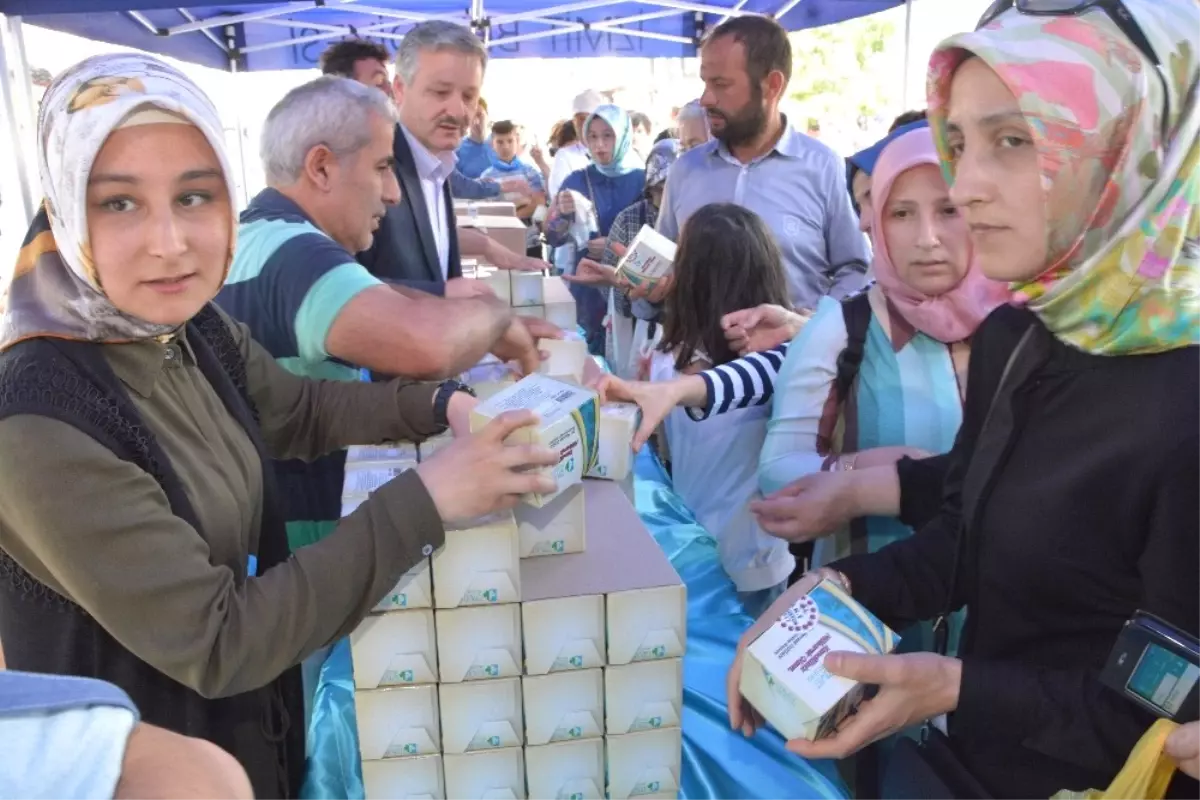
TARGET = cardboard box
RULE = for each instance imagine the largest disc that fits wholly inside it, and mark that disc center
(364, 477)
(392, 451)
(479, 642)
(563, 315)
(556, 528)
(567, 424)
(481, 715)
(563, 706)
(644, 764)
(566, 360)
(398, 722)
(431, 445)
(394, 649)
(496, 280)
(507, 230)
(566, 633)
(646, 624)
(486, 775)
(649, 258)
(486, 208)
(567, 769)
(624, 563)
(479, 564)
(413, 590)
(525, 289)
(784, 675)
(404, 779)
(614, 441)
(644, 696)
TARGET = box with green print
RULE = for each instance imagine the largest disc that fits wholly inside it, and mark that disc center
(567, 424)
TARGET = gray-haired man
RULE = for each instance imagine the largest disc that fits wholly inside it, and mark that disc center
(439, 76)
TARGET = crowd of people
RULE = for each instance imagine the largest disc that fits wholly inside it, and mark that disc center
(956, 374)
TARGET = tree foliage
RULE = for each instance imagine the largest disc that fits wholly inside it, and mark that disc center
(837, 69)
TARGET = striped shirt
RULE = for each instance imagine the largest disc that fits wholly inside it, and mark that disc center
(288, 282)
(747, 381)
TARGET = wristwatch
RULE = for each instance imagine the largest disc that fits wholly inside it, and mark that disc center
(441, 400)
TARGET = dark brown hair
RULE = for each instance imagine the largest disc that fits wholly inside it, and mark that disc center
(339, 58)
(907, 118)
(504, 127)
(727, 260)
(765, 42)
(564, 133)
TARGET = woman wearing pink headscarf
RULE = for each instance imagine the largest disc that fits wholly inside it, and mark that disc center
(909, 336)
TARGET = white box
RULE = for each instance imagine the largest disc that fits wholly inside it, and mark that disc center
(481, 715)
(497, 280)
(487, 208)
(413, 590)
(646, 624)
(563, 706)
(398, 722)
(392, 451)
(567, 424)
(649, 258)
(566, 633)
(525, 288)
(614, 441)
(784, 675)
(486, 775)
(566, 360)
(572, 770)
(431, 445)
(564, 315)
(558, 527)
(644, 764)
(489, 378)
(394, 649)
(507, 230)
(364, 477)
(404, 779)
(643, 696)
(479, 564)
(479, 642)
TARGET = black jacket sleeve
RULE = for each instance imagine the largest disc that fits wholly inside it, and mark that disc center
(921, 482)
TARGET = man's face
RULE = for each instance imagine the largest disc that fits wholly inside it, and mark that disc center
(505, 145)
(442, 99)
(737, 111)
(479, 124)
(370, 72)
(362, 186)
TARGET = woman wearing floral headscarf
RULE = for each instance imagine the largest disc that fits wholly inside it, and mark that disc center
(611, 183)
(1071, 496)
(141, 541)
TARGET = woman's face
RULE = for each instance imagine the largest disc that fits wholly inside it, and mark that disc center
(601, 141)
(159, 220)
(998, 181)
(926, 237)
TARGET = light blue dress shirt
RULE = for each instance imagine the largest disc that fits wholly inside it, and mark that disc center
(799, 190)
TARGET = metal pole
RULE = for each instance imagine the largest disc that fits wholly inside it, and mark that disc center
(11, 105)
(231, 48)
(907, 52)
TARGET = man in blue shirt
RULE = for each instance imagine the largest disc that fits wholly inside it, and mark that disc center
(759, 160)
(475, 154)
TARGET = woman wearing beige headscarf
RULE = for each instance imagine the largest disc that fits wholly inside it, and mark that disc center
(140, 538)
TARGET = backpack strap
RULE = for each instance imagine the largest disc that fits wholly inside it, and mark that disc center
(856, 311)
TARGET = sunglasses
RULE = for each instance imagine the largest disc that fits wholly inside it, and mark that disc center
(1116, 11)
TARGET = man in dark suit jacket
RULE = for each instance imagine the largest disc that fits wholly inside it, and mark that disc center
(439, 75)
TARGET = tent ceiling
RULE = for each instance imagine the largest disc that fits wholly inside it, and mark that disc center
(270, 34)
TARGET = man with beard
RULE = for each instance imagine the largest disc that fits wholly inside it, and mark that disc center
(439, 75)
(760, 161)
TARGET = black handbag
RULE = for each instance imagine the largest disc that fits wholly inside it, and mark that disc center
(927, 768)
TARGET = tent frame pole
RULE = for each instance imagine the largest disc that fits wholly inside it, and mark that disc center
(908, 4)
(17, 101)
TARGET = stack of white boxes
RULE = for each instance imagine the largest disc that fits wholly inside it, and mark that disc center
(518, 662)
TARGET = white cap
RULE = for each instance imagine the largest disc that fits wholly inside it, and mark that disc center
(587, 102)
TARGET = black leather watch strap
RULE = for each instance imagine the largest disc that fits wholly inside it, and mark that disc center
(441, 400)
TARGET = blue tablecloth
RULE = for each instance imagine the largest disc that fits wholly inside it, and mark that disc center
(717, 762)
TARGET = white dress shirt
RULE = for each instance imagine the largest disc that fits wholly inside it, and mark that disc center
(434, 170)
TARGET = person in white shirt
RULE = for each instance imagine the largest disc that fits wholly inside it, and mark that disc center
(574, 156)
(714, 463)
